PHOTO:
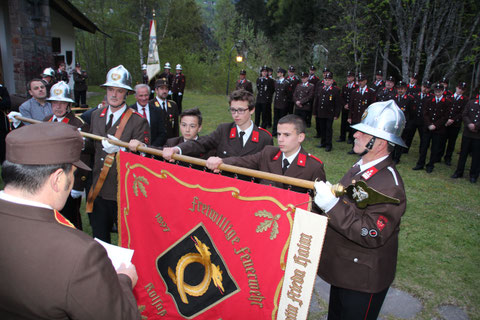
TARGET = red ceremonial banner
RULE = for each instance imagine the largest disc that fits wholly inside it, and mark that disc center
(206, 246)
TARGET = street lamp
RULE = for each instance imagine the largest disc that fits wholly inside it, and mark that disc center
(239, 58)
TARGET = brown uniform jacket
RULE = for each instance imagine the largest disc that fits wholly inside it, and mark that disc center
(281, 94)
(360, 250)
(413, 89)
(358, 103)
(406, 103)
(80, 174)
(304, 94)
(346, 92)
(419, 103)
(172, 142)
(328, 103)
(385, 94)
(378, 85)
(136, 128)
(244, 84)
(456, 111)
(52, 271)
(227, 143)
(305, 166)
(178, 84)
(471, 114)
(170, 117)
(436, 113)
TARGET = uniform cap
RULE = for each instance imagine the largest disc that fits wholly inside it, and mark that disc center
(383, 120)
(427, 83)
(161, 82)
(244, 72)
(280, 69)
(462, 85)
(48, 72)
(350, 73)
(60, 91)
(325, 69)
(304, 74)
(44, 144)
(77, 64)
(291, 68)
(119, 77)
(444, 80)
(438, 86)
(379, 73)
(401, 84)
(390, 78)
(328, 75)
(361, 76)
(414, 75)
(313, 68)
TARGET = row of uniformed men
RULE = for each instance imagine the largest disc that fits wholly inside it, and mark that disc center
(243, 143)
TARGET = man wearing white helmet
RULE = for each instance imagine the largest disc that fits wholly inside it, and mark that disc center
(178, 87)
(169, 76)
(360, 252)
(116, 121)
(61, 100)
(48, 76)
(144, 74)
(37, 107)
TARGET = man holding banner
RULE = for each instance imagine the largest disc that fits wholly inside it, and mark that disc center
(360, 252)
(288, 159)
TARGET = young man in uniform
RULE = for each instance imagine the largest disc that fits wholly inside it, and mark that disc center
(116, 121)
(326, 108)
(303, 97)
(243, 82)
(294, 81)
(263, 88)
(50, 270)
(413, 87)
(417, 123)
(360, 251)
(347, 90)
(238, 138)
(178, 87)
(280, 103)
(61, 100)
(288, 159)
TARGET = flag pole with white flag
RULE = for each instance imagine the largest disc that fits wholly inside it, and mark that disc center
(153, 61)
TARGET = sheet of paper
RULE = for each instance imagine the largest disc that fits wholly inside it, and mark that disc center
(117, 255)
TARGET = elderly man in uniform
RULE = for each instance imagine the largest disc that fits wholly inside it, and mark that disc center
(61, 100)
(153, 114)
(326, 108)
(238, 138)
(360, 100)
(50, 270)
(303, 97)
(117, 121)
(167, 107)
(280, 102)
(243, 82)
(360, 252)
(288, 159)
(470, 140)
(178, 86)
(37, 107)
(347, 90)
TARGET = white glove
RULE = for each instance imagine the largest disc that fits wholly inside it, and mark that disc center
(324, 197)
(111, 148)
(76, 194)
(15, 121)
(180, 93)
(169, 92)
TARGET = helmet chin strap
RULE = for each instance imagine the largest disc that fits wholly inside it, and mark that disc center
(368, 146)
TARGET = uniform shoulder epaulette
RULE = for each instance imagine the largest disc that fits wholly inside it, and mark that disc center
(138, 114)
(265, 131)
(62, 220)
(313, 157)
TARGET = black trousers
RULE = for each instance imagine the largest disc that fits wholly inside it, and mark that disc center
(102, 218)
(469, 145)
(435, 139)
(71, 211)
(346, 304)
(324, 130)
(345, 126)
(260, 110)
(267, 116)
(178, 100)
(416, 126)
(290, 107)
(448, 143)
(302, 114)
(80, 97)
(277, 115)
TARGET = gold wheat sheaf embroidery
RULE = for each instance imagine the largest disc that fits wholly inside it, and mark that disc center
(137, 184)
(271, 221)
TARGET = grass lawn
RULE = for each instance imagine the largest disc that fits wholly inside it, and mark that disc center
(439, 254)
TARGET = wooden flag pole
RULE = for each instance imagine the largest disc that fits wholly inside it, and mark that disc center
(225, 167)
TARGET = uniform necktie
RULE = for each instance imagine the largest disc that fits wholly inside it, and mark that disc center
(163, 106)
(285, 165)
(242, 133)
(109, 123)
(144, 112)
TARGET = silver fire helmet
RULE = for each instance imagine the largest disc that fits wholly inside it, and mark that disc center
(383, 120)
(48, 72)
(167, 66)
(60, 91)
(119, 77)
(178, 67)
(144, 66)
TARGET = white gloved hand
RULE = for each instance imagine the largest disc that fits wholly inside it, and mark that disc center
(324, 197)
(15, 121)
(111, 148)
(76, 194)
(170, 92)
(180, 93)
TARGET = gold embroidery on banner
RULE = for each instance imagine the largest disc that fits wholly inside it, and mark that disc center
(271, 221)
(289, 208)
(137, 184)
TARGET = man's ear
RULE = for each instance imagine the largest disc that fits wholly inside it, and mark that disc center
(55, 179)
(199, 128)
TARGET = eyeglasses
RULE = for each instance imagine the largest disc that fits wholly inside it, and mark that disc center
(239, 111)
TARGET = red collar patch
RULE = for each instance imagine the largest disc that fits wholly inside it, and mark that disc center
(277, 156)
(381, 222)
(104, 112)
(302, 159)
(369, 173)
(255, 136)
(233, 133)
(62, 220)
